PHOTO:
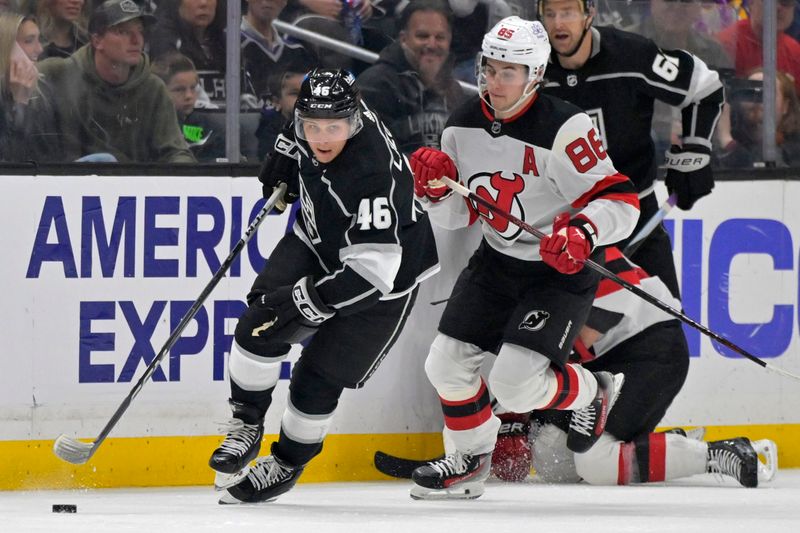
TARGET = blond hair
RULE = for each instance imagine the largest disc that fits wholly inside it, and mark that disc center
(9, 25)
(47, 22)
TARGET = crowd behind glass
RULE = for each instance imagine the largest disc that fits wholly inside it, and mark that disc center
(63, 99)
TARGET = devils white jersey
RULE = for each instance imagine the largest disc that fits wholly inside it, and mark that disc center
(545, 160)
(629, 313)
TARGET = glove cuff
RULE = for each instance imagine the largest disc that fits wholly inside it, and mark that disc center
(309, 303)
(588, 229)
(690, 158)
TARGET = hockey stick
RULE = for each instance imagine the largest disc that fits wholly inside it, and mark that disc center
(77, 452)
(398, 467)
(651, 224)
(463, 191)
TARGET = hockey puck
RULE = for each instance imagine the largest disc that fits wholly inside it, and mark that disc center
(65, 508)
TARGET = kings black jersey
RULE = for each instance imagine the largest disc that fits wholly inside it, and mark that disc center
(545, 160)
(360, 217)
(617, 87)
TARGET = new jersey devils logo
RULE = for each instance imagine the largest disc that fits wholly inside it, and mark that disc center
(534, 320)
(502, 191)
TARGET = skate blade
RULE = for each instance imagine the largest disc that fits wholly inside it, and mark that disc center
(228, 499)
(224, 481)
(463, 491)
(619, 381)
(769, 467)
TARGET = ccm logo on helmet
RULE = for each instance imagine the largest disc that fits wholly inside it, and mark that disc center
(534, 320)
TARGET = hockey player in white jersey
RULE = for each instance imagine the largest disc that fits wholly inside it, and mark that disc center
(626, 334)
(347, 274)
(540, 159)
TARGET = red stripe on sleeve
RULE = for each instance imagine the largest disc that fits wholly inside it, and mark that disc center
(584, 355)
(604, 183)
(607, 286)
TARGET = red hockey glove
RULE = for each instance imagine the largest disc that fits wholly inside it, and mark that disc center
(511, 459)
(429, 165)
(569, 245)
(689, 173)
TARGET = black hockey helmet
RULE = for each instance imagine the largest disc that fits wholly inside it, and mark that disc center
(328, 94)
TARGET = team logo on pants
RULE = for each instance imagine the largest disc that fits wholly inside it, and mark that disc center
(534, 320)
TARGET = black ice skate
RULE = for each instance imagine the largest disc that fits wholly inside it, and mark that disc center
(241, 445)
(265, 481)
(455, 476)
(588, 423)
(736, 458)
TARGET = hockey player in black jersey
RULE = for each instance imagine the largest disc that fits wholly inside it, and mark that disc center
(347, 274)
(615, 76)
(541, 159)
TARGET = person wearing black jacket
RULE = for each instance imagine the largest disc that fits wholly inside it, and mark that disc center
(412, 85)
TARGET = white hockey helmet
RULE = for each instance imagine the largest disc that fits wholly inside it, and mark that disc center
(520, 41)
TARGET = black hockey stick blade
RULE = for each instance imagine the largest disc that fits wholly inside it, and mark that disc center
(603, 271)
(76, 452)
(398, 467)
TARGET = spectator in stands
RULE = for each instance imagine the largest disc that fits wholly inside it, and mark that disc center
(63, 24)
(104, 98)
(180, 76)
(412, 85)
(743, 40)
(264, 52)
(284, 89)
(472, 19)
(195, 28)
(18, 80)
(349, 14)
(747, 114)
(29, 38)
(671, 26)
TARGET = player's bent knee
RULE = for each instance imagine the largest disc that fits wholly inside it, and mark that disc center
(252, 372)
(600, 465)
(248, 337)
(451, 367)
(518, 379)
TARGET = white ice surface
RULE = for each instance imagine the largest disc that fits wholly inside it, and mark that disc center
(699, 504)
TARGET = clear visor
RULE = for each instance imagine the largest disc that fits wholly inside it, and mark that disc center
(508, 75)
(323, 130)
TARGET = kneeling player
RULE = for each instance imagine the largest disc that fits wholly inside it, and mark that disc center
(348, 274)
(636, 338)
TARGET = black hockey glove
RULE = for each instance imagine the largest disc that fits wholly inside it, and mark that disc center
(289, 314)
(281, 167)
(689, 173)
